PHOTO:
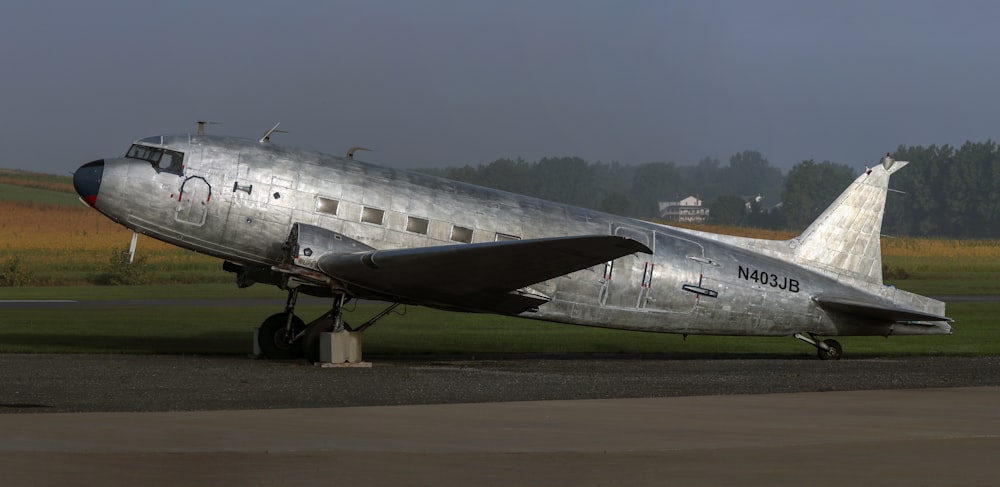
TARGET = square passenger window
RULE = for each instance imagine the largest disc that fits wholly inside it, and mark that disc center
(416, 225)
(461, 234)
(372, 215)
(327, 205)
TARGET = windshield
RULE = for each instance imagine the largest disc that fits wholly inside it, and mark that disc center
(162, 159)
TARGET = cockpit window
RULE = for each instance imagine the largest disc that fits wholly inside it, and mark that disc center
(163, 160)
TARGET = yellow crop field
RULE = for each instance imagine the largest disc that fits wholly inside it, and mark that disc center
(907, 247)
(972, 264)
(63, 245)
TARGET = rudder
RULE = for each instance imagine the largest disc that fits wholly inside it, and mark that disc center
(844, 241)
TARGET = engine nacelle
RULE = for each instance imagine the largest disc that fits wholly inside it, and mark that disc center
(306, 244)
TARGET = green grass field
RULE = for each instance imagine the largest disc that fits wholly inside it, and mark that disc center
(57, 245)
(221, 329)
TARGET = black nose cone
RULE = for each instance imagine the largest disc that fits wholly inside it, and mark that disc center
(87, 181)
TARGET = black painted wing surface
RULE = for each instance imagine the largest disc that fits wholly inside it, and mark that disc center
(473, 277)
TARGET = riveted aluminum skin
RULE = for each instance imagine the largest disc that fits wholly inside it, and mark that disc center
(238, 199)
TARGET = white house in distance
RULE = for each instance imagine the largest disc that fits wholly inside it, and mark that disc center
(688, 210)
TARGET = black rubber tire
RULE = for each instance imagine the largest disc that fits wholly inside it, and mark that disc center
(833, 351)
(310, 340)
(274, 341)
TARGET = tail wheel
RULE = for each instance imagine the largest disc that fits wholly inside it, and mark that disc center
(274, 338)
(832, 351)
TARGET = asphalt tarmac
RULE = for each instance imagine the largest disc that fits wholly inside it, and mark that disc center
(724, 420)
(113, 383)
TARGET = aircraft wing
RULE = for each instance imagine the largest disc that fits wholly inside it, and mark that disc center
(875, 310)
(473, 277)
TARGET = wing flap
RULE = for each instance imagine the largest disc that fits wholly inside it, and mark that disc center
(475, 277)
(874, 310)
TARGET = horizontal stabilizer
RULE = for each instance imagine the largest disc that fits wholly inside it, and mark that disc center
(474, 277)
(874, 310)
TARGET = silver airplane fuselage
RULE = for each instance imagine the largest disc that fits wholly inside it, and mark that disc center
(237, 199)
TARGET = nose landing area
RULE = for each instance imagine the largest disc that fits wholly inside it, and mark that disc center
(87, 181)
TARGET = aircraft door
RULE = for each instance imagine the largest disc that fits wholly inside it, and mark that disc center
(201, 200)
(192, 201)
(676, 282)
(623, 284)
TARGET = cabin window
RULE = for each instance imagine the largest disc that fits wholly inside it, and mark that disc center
(163, 160)
(326, 205)
(505, 237)
(372, 215)
(416, 225)
(461, 234)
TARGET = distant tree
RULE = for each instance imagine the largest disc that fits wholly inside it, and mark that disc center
(921, 208)
(564, 179)
(617, 203)
(772, 218)
(972, 191)
(568, 180)
(749, 173)
(507, 175)
(943, 192)
(465, 174)
(810, 188)
(728, 210)
(654, 182)
(704, 177)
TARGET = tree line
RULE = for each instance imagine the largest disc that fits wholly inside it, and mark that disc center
(944, 191)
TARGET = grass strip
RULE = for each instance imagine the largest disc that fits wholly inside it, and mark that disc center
(417, 330)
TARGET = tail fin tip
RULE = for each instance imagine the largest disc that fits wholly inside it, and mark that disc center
(845, 240)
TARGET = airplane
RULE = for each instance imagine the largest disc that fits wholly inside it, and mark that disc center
(340, 228)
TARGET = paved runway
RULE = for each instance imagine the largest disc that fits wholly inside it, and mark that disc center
(567, 421)
(909, 437)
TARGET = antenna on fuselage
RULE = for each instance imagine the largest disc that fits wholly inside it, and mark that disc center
(352, 150)
(201, 126)
(274, 130)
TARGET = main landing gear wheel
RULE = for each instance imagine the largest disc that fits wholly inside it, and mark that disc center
(274, 338)
(310, 340)
(833, 350)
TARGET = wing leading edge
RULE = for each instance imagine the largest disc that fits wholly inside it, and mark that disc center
(474, 277)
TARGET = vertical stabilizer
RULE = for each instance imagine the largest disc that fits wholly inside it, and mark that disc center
(844, 241)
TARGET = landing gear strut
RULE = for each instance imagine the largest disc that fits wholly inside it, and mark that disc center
(284, 335)
(826, 349)
(330, 321)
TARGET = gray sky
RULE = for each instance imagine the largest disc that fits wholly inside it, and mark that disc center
(441, 83)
